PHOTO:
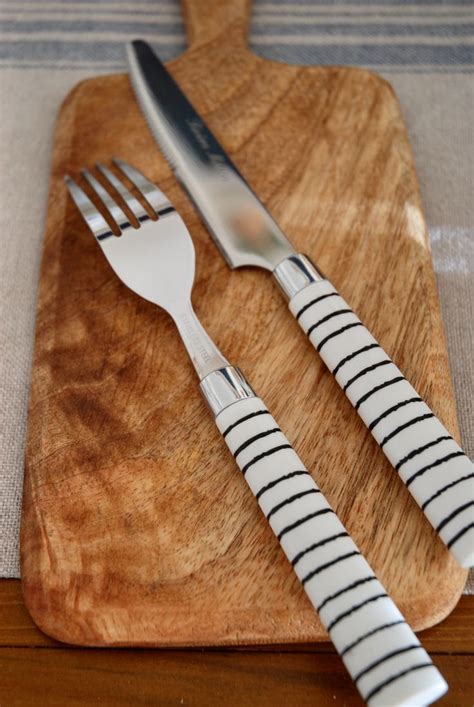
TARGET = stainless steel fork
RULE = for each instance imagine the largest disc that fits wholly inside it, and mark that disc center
(156, 261)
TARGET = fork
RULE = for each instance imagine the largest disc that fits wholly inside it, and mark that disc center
(156, 261)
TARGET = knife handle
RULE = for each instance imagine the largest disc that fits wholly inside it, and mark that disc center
(431, 464)
(382, 654)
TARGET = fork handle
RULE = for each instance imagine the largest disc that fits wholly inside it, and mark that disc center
(430, 463)
(379, 649)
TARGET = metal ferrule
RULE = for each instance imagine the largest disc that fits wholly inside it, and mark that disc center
(223, 387)
(295, 273)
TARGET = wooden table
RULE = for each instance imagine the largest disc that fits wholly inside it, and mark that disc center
(35, 670)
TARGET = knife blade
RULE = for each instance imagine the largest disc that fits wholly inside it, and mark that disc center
(242, 228)
(430, 463)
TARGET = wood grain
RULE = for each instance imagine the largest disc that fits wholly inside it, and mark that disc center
(138, 528)
(17, 629)
(82, 677)
(32, 664)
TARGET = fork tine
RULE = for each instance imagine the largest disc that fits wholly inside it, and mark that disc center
(94, 219)
(133, 204)
(154, 196)
(114, 209)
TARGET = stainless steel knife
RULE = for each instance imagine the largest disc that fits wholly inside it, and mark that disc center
(430, 463)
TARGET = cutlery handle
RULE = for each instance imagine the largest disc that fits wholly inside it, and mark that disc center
(431, 464)
(379, 649)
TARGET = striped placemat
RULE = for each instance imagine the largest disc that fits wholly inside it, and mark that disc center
(425, 49)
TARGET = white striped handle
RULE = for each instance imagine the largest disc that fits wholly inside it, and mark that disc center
(379, 649)
(431, 464)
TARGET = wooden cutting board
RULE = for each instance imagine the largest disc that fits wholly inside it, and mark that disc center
(138, 528)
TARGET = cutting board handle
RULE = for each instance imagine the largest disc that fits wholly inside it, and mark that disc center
(206, 20)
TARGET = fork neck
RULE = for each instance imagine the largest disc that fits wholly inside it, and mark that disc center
(202, 351)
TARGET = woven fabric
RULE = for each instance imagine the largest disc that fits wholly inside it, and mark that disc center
(424, 50)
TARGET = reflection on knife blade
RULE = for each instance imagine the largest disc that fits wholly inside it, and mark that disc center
(242, 228)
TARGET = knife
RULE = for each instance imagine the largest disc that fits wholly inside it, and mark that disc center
(430, 463)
